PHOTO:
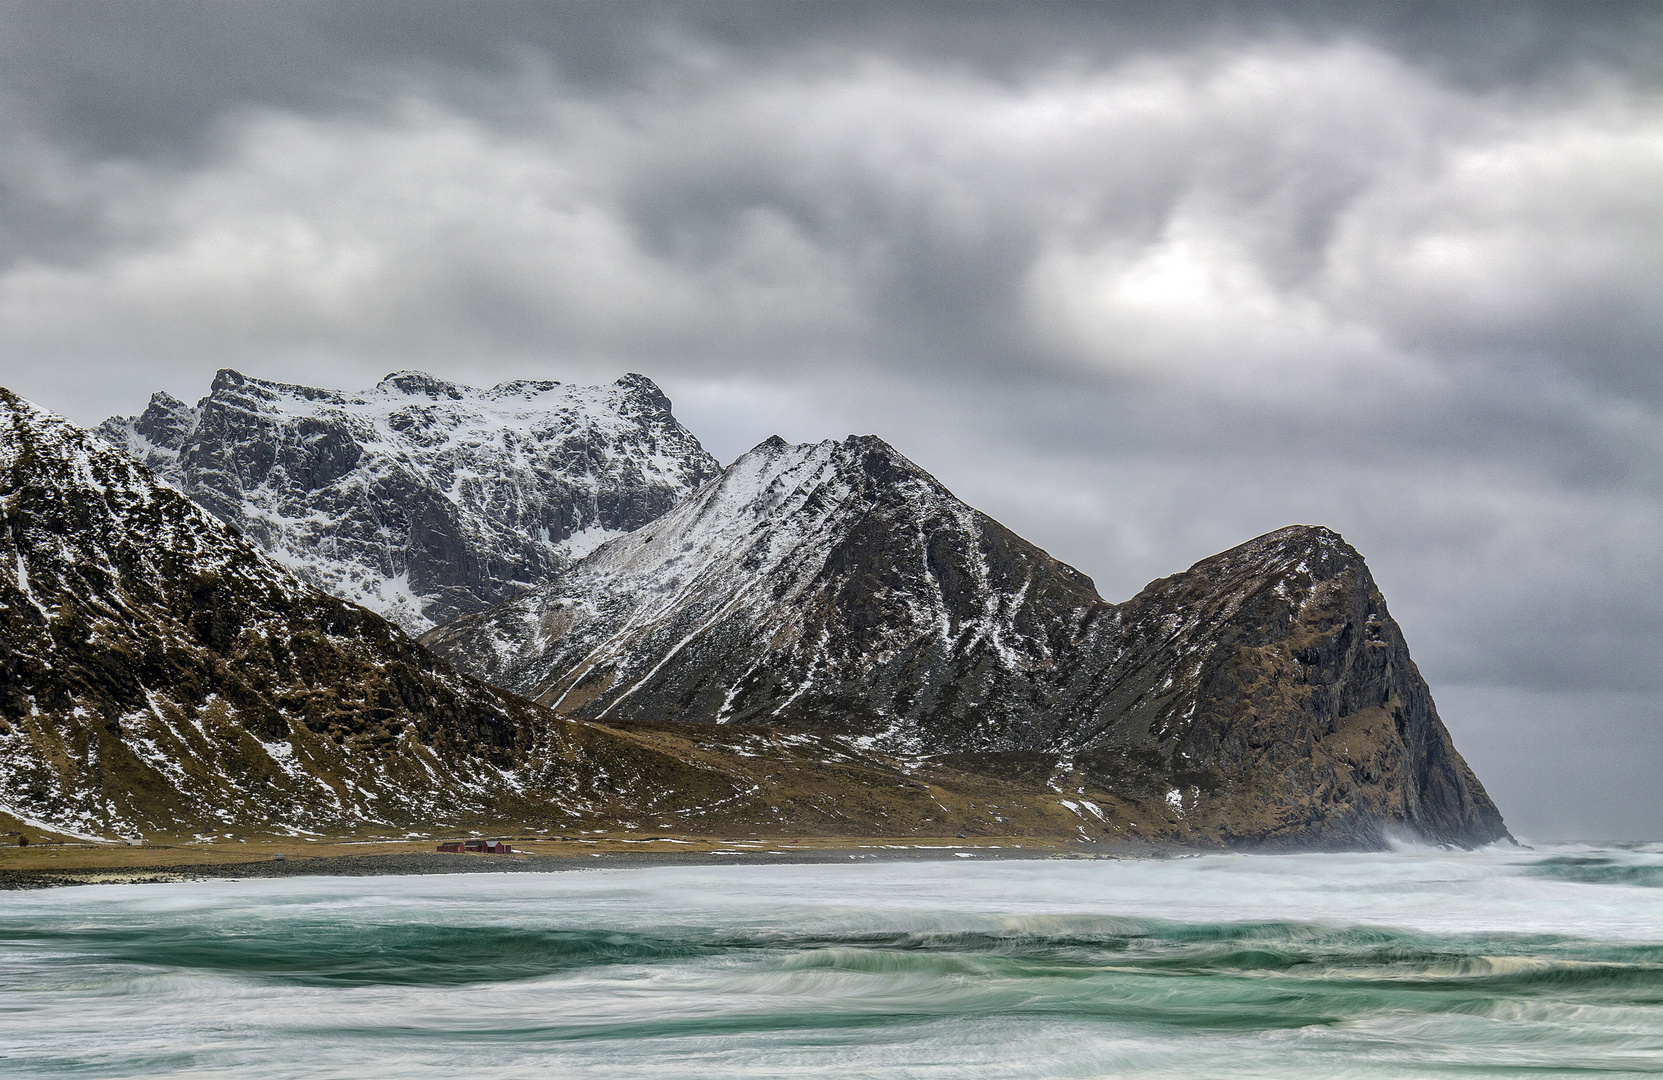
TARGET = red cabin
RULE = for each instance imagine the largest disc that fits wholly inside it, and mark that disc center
(478, 847)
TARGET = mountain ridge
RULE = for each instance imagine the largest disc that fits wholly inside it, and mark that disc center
(421, 498)
(160, 677)
(838, 587)
(827, 508)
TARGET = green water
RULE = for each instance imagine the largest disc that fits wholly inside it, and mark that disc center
(1502, 963)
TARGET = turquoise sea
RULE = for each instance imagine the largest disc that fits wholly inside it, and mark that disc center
(1508, 962)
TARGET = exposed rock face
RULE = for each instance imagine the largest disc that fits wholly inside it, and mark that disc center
(421, 499)
(1270, 694)
(1264, 697)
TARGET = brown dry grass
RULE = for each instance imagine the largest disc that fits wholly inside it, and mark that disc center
(92, 862)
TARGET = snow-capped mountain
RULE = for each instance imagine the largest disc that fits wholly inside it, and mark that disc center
(160, 675)
(422, 499)
(1263, 696)
(832, 584)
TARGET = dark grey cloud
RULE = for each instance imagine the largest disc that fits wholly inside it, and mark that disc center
(135, 78)
(1140, 280)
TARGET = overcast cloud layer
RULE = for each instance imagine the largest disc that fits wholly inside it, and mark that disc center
(1142, 282)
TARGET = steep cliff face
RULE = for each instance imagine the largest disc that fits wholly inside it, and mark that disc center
(1268, 696)
(421, 499)
(1263, 697)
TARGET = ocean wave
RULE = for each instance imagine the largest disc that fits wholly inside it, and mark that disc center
(1600, 870)
(304, 952)
(1406, 965)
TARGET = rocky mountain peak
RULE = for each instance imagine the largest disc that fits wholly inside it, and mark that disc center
(156, 672)
(157, 435)
(816, 584)
(1319, 550)
(644, 390)
(234, 386)
(1273, 679)
(1294, 557)
(421, 384)
(226, 379)
(420, 498)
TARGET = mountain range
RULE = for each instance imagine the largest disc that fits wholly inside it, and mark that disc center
(160, 677)
(1265, 693)
(818, 637)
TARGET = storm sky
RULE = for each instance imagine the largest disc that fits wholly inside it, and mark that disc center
(1142, 281)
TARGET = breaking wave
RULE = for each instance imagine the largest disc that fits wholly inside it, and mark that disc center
(1600, 870)
(1422, 964)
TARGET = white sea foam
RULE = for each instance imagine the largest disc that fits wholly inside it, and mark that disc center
(1405, 964)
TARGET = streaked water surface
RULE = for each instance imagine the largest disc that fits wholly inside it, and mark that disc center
(1497, 963)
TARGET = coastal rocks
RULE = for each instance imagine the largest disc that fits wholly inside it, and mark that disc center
(422, 499)
(1269, 696)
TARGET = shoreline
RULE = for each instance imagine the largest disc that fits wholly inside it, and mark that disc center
(130, 867)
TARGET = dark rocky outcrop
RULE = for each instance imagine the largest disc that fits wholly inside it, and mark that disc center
(1271, 695)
